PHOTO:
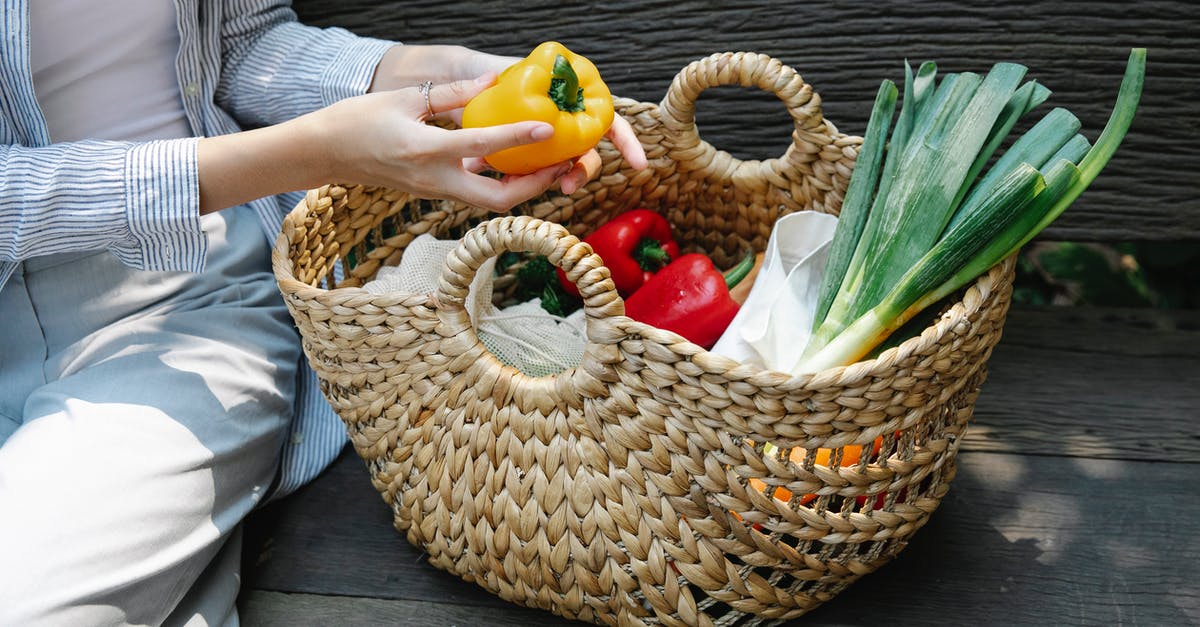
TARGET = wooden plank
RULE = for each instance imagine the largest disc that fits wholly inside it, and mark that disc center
(1029, 540)
(259, 608)
(1093, 382)
(335, 537)
(1020, 539)
(1150, 190)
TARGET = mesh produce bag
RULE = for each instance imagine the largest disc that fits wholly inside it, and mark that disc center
(522, 335)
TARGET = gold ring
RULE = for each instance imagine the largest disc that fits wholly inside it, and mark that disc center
(425, 87)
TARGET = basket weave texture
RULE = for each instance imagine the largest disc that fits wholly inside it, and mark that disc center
(620, 491)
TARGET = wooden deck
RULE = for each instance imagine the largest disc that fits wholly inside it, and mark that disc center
(1075, 504)
(1076, 501)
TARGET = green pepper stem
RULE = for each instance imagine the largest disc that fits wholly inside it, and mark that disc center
(734, 275)
(650, 254)
(564, 86)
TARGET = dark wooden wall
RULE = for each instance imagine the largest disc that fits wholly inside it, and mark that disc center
(1150, 190)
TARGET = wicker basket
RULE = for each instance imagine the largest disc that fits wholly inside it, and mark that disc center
(620, 492)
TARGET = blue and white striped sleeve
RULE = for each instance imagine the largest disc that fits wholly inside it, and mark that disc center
(274, 68)
(139, 200)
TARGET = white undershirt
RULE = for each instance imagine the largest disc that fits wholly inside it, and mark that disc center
(106, 70)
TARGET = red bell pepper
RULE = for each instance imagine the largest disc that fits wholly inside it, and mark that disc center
(634, 245)
(690, 297)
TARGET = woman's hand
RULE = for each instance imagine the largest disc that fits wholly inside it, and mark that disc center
(379, 139)
(383, 139)
(408, 66)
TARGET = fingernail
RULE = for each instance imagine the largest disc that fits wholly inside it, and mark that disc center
(542, 132)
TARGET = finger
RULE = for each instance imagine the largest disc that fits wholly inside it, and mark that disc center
(622, 136)
(453, 116)
(483, 141)
(485, 62)
(455, 95)
(585, 169)
(501, 195)
(475, 165)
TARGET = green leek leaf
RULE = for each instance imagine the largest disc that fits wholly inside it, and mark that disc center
(859, 193)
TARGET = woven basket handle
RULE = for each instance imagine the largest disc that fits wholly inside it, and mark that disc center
(812, 133)
(526, 234)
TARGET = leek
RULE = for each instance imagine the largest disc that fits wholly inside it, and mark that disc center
(935, 224)
(928, 169)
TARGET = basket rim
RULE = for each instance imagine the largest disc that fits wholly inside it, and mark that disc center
(971, 300)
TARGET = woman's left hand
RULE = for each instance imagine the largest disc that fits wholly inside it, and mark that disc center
(409, 66)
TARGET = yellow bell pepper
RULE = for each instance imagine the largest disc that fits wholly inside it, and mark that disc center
(552, 85)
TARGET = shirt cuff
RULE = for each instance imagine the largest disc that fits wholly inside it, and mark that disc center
(352, 68)
(162, 206)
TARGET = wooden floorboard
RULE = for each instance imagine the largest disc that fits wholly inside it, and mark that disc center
(1019, 540)
(1093, 382)
(260, 608)
(1074, 500)
(335, 537)
(1024, 540)
(844, 49)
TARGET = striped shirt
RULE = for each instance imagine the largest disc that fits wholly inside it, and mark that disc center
(242, 64)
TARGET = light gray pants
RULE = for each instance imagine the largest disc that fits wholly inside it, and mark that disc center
(141, 418)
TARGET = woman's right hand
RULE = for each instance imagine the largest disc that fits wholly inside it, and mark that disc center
(383, 139)
(379, 139)
(409, 65)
